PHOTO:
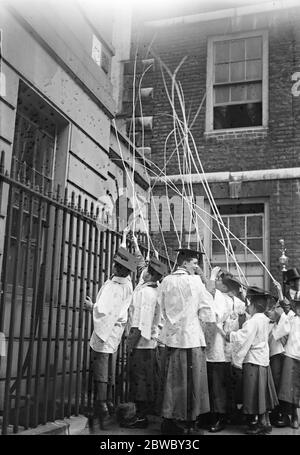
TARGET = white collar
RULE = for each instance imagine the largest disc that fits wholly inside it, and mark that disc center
(181, 271)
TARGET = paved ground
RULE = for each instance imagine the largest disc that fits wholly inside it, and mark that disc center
(154, 429)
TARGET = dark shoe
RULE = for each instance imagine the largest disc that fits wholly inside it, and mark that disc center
(218, 426)
(282, 421)
(295, 423)
(137, 422)
(255, 428)
(203, 422)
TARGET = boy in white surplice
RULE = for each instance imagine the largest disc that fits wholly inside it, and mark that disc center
(144, 322)
(110, 315)
(185, 302)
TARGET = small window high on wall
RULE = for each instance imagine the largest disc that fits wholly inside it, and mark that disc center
(40, 146)
(237, 82)
(248, 223)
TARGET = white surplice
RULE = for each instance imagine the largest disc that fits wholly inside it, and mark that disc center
(214, 331)
(289, 324)
(250, 343)
(145, 314)
(184, 301)
(237, 308)
(110, 314)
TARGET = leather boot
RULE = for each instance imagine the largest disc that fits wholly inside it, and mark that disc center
(255, 428)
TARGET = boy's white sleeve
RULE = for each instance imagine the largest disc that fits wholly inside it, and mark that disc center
(282, 327)
(241, 342)
(206, 309)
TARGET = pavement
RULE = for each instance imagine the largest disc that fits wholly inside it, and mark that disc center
(154, 429)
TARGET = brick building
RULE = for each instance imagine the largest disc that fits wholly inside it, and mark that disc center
(245, 60)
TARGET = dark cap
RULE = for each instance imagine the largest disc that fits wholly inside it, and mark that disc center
(126, 259)
(256, 291)
(232, 282)
(158, 266)
(189, 252)
(259, 298)
(291, 274)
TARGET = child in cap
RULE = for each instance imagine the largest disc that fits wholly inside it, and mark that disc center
(218, 364)
(235, 320)
(279, 417)
(292, 279)
(250, 352)
(110, 313)
(144, 320)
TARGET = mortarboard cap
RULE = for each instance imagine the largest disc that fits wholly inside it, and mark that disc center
(158, 266)
(189, 252)
(126, 259)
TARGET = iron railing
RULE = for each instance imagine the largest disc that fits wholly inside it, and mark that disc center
(54, 255)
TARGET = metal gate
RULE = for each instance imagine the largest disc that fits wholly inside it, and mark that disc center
(54, 256)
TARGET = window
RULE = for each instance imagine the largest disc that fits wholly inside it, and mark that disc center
(101, 55)
(237, 82)
(248, 223)
(40, 131)
(33, 153)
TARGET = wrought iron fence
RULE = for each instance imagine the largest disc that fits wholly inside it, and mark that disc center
(54, 255)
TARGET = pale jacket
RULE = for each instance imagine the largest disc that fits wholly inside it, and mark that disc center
(145, 314)
(214, 332)
(184, 301)
(275, 344)
(110, 314)
(250, 343)
(289, 324)
(237, 308)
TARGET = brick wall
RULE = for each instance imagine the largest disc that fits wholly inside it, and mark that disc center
(233, 151)
(277, 146)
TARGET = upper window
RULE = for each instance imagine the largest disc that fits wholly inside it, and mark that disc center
(237, 82)
(101, 55)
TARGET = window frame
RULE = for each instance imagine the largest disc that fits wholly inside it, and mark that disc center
(209, 118)
(266, 231)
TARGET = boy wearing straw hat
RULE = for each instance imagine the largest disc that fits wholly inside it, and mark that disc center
(185, 302)
(110, 314)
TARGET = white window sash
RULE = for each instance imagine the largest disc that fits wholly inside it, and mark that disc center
(209, 121)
